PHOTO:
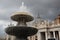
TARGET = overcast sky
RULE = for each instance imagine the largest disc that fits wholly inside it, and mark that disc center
(48, 9)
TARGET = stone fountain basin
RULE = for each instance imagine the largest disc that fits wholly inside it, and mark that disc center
(21, 31)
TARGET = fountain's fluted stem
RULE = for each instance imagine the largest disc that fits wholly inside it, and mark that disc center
(22, 22)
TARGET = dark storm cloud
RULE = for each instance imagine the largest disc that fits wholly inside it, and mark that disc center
(47, 8)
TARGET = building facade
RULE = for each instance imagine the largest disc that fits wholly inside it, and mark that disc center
(45, 28)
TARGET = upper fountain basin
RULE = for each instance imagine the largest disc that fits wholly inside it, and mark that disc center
(25, 15)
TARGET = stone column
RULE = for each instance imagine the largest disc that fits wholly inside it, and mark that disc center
(54, 34)
(12, 37)
(39, 35)
(7, 37)
(30, 38)
(46, 35)
(33, 37)
(59, 35)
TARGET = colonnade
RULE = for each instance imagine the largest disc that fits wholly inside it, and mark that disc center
(52, 34)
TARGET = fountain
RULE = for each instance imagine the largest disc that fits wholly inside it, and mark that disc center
(21, 30)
